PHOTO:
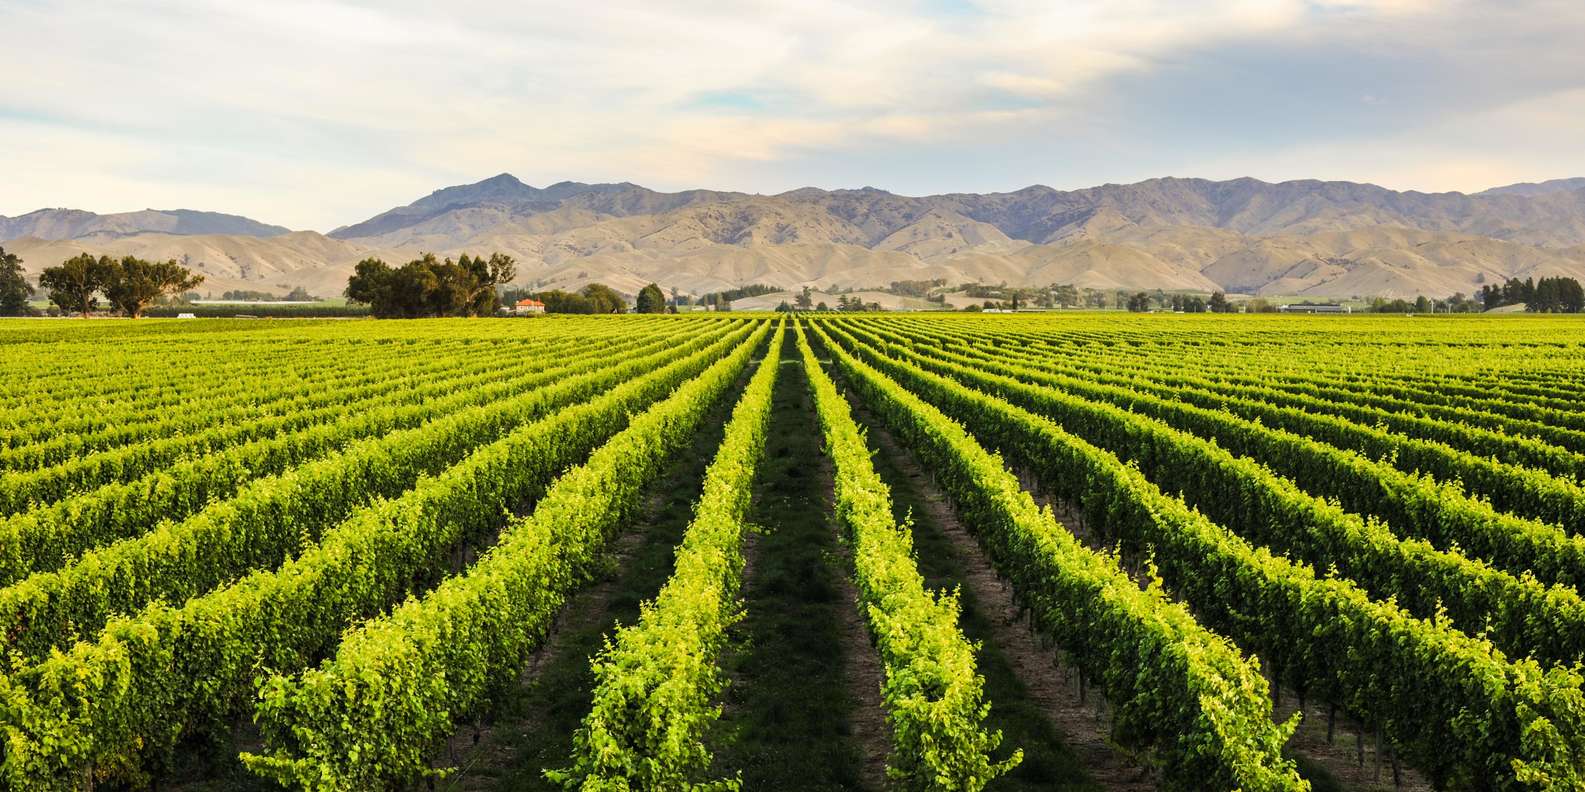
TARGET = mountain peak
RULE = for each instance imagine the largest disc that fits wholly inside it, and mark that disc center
(1309, 237)
(60, 224)
(1533, 189)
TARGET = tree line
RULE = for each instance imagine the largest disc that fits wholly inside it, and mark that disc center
(1547, 295)
(297, 294)
(595, 298)
(1140, 302)
(129, 284)
(429, 286)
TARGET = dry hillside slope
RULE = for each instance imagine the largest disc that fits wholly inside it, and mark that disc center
(1312, 238)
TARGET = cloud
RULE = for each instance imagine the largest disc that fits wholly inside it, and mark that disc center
(303, 112)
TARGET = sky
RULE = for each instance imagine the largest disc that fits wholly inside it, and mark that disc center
(320, 114)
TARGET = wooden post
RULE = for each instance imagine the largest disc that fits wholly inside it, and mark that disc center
(1331, 722)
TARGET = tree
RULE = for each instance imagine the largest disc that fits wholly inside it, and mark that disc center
(781, 307)
(1066, 295)
(1219, 303)
(370, 284)
(14, 288)
(651, 300)
(560, 302)
(1555, 295)
(604, 299)
(1458, 303)
(821, 306)
(1139, 302)
(476, 281)
(428, 286)
(805, 299)
(132, 283)
(74, 285)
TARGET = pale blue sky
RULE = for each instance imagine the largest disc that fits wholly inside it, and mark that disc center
(315, 114)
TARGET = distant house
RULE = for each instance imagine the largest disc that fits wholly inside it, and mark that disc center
(528, 306)
(1315, 308)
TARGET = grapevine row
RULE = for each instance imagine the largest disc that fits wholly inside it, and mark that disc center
(1518, 614)
(657, 680)
(117, 706)
(1461, 711)
(275, 516)
(1180, 694)
(369, 717)
(933, 695)
(46, 538)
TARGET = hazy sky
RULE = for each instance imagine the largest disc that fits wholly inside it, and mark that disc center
(314, 115)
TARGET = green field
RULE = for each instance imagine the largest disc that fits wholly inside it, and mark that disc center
(932, 551)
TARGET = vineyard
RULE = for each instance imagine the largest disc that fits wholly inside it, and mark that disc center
(822, 551)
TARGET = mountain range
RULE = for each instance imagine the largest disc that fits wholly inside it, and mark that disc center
(1296, 238)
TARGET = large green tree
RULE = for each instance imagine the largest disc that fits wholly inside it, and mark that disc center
(486, 276)
(14, 288)
(75, 283)
(429, 286)
(605, 299)
(651, 300)
(131, 284)
(370, 283)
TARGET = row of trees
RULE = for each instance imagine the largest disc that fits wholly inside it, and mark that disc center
(297, 294)
(1458, 303)
(595, 298)
(129, 284)
(805, 302)
(427, 286)
(1140, 302)
(1547, 295)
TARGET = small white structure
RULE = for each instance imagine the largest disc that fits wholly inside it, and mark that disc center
(528, 306)
(1315, 308)
(187, 316)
